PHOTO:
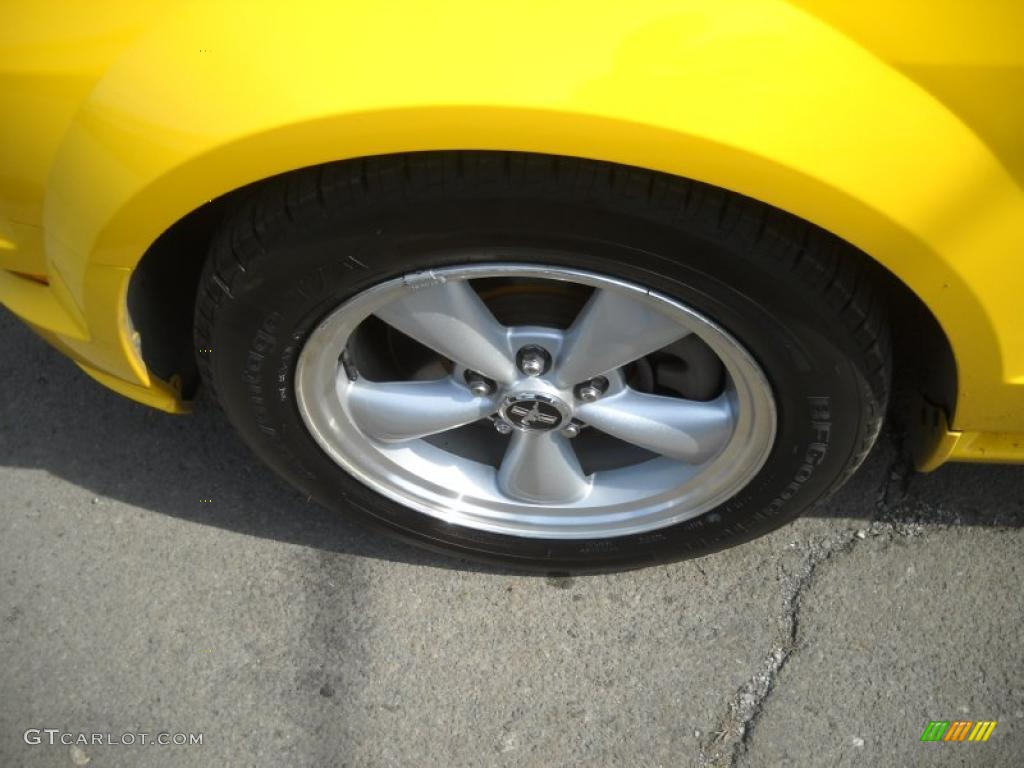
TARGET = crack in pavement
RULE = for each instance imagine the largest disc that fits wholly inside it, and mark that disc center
(730, 740)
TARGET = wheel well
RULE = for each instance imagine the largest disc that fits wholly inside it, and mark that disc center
(162, 293)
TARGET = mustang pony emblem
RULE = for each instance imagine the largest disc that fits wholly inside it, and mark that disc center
(533, 414)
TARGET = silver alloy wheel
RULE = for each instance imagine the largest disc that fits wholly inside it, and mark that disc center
(390, 434)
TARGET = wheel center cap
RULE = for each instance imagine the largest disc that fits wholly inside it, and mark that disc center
(534, 412)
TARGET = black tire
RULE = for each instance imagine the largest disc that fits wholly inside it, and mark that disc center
(799, 299)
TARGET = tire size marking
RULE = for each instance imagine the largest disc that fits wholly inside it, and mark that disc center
(821, 427)
(263, 342)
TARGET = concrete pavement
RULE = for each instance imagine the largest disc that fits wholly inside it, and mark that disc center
(286, 636)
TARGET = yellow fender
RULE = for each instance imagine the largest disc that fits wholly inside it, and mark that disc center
(756, 96)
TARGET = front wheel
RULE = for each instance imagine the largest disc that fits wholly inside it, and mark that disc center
(551, 363)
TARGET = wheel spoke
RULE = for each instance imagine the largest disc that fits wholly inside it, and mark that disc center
(611, 330)
(687, 430)
(541, 467)
(451, 319)
(403, 410)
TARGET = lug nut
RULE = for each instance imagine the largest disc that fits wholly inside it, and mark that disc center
(589, 391)
(479, 385)
(571, 430)
(533, 360)
(502, 427)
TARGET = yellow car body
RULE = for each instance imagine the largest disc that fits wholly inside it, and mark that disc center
(897, 126)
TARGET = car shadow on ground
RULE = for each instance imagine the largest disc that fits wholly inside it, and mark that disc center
(56, 420)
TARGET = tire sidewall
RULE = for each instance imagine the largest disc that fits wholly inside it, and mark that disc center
(307, 269)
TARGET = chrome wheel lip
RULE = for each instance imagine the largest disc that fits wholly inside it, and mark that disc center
(407, 472)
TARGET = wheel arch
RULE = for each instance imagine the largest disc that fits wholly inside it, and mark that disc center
(184, 119)
(162, 291)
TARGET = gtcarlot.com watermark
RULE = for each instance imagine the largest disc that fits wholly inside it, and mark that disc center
(54, 736)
